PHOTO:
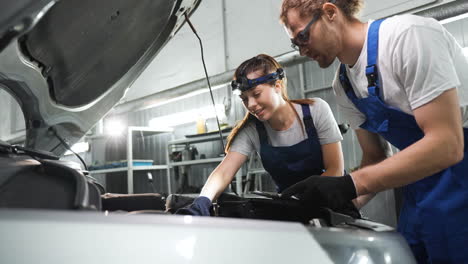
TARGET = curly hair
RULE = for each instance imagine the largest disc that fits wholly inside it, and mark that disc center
(306, 7)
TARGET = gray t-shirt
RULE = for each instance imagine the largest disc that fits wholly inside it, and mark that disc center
(247, 139)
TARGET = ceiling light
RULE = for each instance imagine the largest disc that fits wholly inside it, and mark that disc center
(190, 116)
(114, 127)
(452, 19)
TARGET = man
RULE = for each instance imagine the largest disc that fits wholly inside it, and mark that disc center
(403, 78)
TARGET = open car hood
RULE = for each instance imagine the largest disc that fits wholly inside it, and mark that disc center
(68, 62)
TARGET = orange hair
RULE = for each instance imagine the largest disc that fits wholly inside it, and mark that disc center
(308, 7)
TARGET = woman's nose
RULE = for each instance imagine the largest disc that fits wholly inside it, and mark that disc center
(251, 103)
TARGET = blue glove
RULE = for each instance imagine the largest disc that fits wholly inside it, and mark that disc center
(200, 207)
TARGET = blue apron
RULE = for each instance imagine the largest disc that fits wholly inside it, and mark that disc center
(434, 217)
(289, 165)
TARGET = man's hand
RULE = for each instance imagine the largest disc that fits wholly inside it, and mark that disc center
(332, 192)
(200, 207)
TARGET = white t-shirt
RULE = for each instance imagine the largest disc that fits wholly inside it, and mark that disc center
(418, 60)
(247, 139)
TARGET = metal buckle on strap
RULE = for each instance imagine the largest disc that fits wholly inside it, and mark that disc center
(372, 75)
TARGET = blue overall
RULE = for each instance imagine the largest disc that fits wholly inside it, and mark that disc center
(289, 165)
(434, 217)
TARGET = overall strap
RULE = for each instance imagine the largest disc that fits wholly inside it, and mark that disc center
(345, 83)
(262, 134)
(371, 68)
(372, 56)
(308, 121)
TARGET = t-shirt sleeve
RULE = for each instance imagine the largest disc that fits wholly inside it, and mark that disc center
(243, 141)
(324, 122)
(351, 115)
(423, 63)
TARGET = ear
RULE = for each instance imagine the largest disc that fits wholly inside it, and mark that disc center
(278, 86)
(330, 11)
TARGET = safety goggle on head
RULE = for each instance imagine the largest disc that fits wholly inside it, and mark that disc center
(243, 84)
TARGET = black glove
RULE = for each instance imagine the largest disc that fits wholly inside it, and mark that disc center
(200, 207)
(332, 192)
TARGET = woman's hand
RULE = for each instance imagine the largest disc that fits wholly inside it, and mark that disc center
(201, 206)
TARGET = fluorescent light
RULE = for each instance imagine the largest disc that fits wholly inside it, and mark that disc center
(188, 116)
(114, 127)
(191, 94)
(452, 19)
(79, 147)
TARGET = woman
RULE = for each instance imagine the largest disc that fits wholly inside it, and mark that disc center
(295, 138)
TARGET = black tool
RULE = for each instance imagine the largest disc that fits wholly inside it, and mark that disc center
(275, 196)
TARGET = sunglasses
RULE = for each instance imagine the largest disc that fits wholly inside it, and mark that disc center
(302, 37)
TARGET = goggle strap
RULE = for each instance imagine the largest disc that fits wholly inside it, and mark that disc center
(245, 84)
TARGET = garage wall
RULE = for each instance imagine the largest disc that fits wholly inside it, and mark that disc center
(253, 27)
